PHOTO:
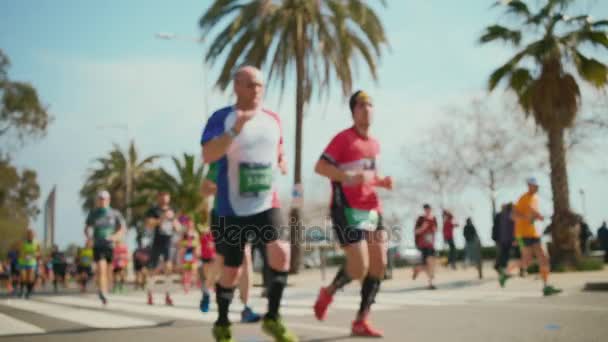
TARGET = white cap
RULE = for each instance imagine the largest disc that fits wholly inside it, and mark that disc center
(532, 181)
(103, 194)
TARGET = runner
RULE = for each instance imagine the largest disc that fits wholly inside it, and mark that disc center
(13, 259)
(350, 161)
(120, 263)
(505, 229)
(209, 188)
(84, 260)
(59, 267)
(189, 251)
(448, 236)
(209, 270)
(246, 141)
(5, 276)
(426, 226)
(162, 220)
(29, 254)
(105, 226)
(141, 258)
(525, 214)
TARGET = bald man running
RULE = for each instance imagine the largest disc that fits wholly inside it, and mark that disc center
(247, 143)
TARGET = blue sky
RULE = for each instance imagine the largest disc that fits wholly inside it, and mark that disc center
(98, 63)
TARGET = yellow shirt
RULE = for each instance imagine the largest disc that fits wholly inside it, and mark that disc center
(525, 206)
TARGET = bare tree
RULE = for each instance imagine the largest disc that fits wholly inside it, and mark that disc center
(475, 148)
(493, 152)
(435, 175)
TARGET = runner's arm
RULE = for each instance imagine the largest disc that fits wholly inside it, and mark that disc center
(326, 169)
(209, 188)
(87, 231)
(421, 227)
(120, 229)
(216, 148)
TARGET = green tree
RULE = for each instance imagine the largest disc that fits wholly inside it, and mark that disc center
(543, 76)
(111, 172)
(18, 194)
(324, 40)
(183, 186)
(22, 115)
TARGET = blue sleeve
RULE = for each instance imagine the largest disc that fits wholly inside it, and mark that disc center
(214, 127)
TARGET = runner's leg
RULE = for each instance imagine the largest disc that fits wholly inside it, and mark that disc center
(377, 248)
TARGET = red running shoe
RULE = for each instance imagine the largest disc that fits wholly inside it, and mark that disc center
(322, 303)
(150, 298)
(364, 329)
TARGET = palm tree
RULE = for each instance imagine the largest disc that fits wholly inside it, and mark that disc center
(544, 74)
(184, 187)
(110, 173)
(323, 39)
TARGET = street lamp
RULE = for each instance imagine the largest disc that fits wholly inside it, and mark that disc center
(583, 201)
(173, 36)
(128, 180)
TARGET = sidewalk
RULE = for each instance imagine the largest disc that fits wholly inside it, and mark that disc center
(445, 277)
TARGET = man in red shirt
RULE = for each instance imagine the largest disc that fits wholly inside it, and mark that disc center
(426, 226)
(350, 163)
(448, 236)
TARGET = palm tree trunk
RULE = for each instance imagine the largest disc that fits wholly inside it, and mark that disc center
(295, 221)
(565, 250)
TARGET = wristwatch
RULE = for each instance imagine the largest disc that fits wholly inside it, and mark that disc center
(232, 133)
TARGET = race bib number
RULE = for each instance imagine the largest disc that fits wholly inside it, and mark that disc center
(29, 257)
(428, 238)
(362, 219)
(254, 178)
(188, 257)
(85, 260)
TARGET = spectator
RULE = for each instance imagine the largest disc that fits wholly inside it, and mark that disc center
(472, 246)
(602, 236)
(584, 236)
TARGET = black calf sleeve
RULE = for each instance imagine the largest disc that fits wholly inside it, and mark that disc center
(277, 283)
(369, 290)
(223, 298)
(342, 279)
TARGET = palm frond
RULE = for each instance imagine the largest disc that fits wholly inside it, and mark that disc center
(516, 7)
(498, 32)
(591, 70)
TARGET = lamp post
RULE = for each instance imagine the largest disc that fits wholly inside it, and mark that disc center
(583, 202)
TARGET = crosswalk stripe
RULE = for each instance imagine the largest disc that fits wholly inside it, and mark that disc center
(235, 309)
(157, 311)
(90, 318)
(13, 326)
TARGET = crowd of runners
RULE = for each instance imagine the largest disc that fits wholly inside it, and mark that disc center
(243, 146)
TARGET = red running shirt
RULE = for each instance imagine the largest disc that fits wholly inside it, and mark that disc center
(207, 246)
(448, 230)
(121, 256)
(349, 151)
(426, 239)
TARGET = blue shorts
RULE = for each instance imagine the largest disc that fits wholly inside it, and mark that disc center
(27, 267)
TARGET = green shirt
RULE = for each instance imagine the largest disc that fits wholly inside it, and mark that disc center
(212, 176)
(85, 257)
(27, 253)
(104, 221)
